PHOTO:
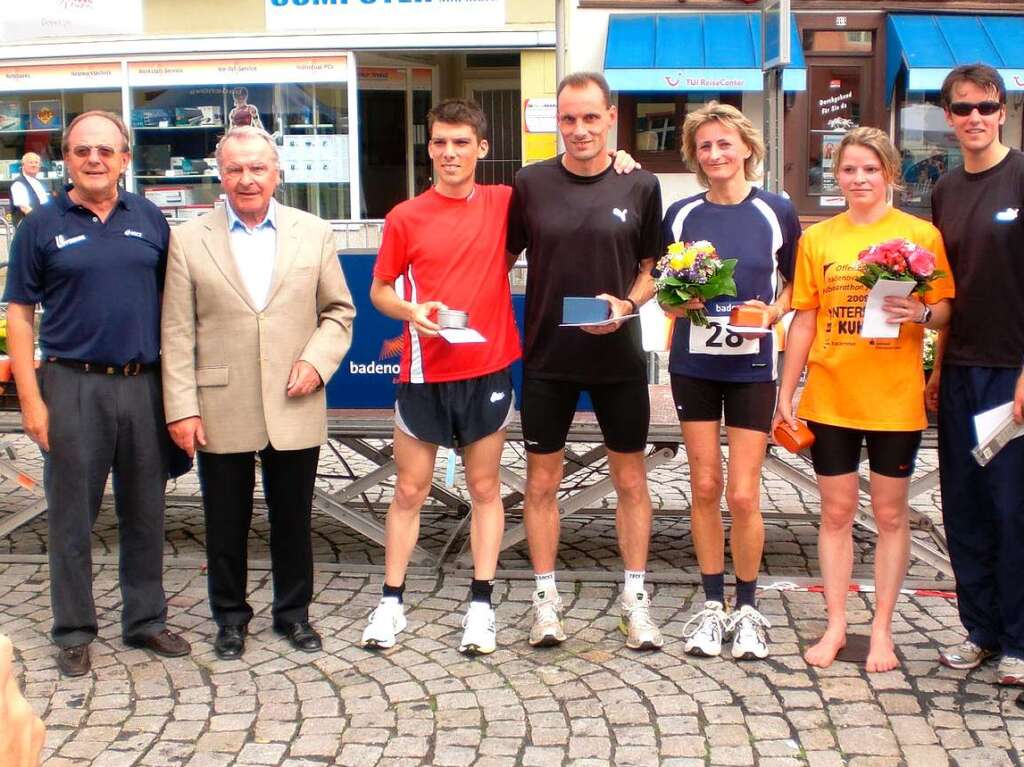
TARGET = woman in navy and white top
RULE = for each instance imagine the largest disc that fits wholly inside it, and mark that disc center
(714, 369)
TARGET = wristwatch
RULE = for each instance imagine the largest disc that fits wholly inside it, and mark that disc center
(632, 304)
(926, 316)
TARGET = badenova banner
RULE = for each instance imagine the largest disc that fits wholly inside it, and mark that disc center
(383, 15)
(69, 18)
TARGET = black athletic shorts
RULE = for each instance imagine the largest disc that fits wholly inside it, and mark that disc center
(836, 450)
(623, 411)
(748, 405)
(454, 413)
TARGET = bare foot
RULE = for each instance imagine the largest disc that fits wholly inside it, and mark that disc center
(825, 650)
(21, 731)
(882, 655)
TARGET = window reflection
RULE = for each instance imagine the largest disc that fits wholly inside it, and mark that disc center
(928, 149)
(657, 127)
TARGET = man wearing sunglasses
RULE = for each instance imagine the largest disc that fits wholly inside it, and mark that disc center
(94, 259)
(978, 209)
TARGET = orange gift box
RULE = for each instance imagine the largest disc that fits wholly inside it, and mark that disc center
(744, 316)
(793, 440)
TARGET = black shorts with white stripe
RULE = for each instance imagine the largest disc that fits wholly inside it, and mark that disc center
(455, 413)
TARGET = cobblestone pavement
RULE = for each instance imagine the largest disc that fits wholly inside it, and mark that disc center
(589, 702)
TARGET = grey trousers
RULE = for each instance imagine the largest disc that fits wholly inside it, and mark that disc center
(99, 424)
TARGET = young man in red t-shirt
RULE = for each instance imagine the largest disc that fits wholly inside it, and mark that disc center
(446, 249)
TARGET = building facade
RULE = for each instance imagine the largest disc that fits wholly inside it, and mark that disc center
(344, 87)
(854, 63)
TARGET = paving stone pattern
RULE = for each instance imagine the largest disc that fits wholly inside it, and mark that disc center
(589, 702)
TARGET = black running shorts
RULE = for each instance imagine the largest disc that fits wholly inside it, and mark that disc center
(746, 405)
(623, 411)
(836, 450)
(455, 413)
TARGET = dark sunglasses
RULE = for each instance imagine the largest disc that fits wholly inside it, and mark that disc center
(985, 108)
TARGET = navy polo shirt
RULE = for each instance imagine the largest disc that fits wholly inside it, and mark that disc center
(99, 282)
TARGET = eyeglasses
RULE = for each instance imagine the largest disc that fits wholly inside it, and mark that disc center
(85, 150)
(964, 108)
(236, 171)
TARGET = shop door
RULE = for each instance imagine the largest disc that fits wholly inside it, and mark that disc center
(383, 150)
(843, 85)
(501, 104)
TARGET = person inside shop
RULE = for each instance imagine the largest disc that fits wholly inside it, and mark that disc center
(95, 258)
(860, 389)
(714, 370)
(27, 191)
(588, 232)
(978, 208)
(256, 319)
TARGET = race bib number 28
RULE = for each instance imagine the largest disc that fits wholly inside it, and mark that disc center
(715, 339)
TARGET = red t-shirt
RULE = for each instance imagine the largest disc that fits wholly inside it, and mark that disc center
(452, 251)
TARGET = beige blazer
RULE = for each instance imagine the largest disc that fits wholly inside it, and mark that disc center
(227, 362)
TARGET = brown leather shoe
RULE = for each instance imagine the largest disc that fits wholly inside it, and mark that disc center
(165, 643)
(74, 661)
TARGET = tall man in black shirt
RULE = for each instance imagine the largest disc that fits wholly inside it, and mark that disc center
(980, 210)
(587, 232)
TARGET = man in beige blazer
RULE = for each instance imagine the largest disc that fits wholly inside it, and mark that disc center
(256, 319)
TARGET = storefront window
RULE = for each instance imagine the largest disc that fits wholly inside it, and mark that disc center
(928, 149)
(835, 108)
(653, 125)
(34, 122)
(177, 126)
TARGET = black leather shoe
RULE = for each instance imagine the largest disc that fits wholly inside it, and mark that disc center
(74, 661)
(230, 642)
(166, 643)
(302, 636)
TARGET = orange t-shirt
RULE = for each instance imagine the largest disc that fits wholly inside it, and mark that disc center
(875, 384)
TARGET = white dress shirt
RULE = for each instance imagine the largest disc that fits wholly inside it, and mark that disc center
(255, 250)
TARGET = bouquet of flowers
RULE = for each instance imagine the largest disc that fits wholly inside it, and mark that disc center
(898, 260)
(694, 270)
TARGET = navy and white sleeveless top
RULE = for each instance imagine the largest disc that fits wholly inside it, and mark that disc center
(761, 233)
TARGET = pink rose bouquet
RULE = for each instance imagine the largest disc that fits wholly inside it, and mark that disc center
(898, 259)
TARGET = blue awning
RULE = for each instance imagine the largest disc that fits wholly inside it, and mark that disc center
(693, 52)
(928, 47)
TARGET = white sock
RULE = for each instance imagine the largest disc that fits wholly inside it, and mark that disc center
(545, 581)
(634, 581)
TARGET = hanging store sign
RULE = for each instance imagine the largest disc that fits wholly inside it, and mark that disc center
(69, 18)
(320, 69)
(381, 78)
(383, 15)
(51, 77)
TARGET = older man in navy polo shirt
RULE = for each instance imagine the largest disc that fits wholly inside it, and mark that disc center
(95, 260)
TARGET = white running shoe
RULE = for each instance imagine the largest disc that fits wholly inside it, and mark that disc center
(1010, 671)
(547, 629)
(386, 620)
(479, 635)
(705, 639)
(966, 655)
(749, 634)
(641, 632)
